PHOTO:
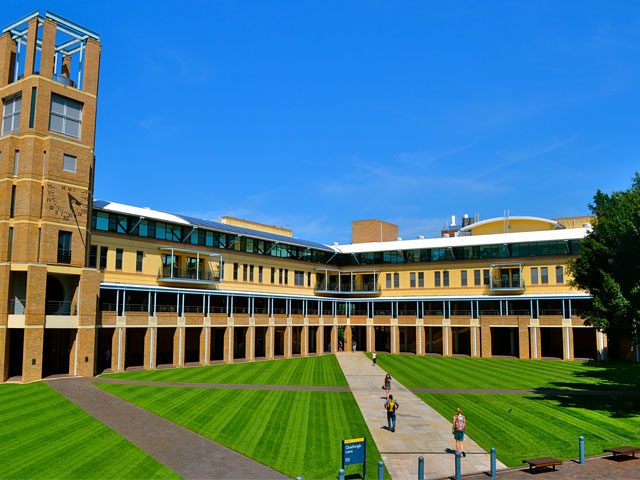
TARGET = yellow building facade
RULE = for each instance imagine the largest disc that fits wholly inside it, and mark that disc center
(89, 285)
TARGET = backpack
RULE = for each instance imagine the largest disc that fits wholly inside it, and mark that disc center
(392, 406)
(460, 423)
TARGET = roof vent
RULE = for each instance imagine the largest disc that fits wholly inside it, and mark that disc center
(398, 238)
(420, 237)
(335, 244)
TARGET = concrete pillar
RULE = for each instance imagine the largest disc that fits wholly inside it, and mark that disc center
(32, 354)
(447, 341)
(179, 346)
(268, 342)
(567, 342)
(523, 337)
(348, 338)
(535, 345)
(287, 341)
(304, 341)
(371, 338)
(117, 349)
(150, 347)
(420, 340)
(601, 344)
(249, 343)
(395, 339)
(228, 344)
(32, 34)
(476, 344)
(485, 339)
(205, 346)
(334, 339)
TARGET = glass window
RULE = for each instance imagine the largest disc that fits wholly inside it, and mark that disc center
(119, 253)
(298, 278)
(534, 275)
(436, 279)
(11, 114)
(16, 162)
(64, 247)
(103, 257)
(463, 278)
(69, 163)
(286, 276)
(251, 273)
(412, 279)
(559, 274)
(476, 278)
(139, 257)
(102, 221)
(260, 268)
(245, 271)
(235, 271)
(388, 280)
(93, 256)
(485, 277)
(273, 275)
(420, 279)
(544, 275)
(66, 115)
(445, 278)
(396, 280)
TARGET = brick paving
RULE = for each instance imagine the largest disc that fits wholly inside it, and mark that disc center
(190, 455)
(596, 468)
(420, 429)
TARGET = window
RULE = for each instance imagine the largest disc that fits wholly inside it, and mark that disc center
(485, 277)
(559, 275)
(463, 278)
(93, 256)
(445, 278)
(103, 257)
(298, 278)
(534, 275)
(388, 278)
(64, 247)
(420, 279)
(16, 162)
(544, 275)
(436, 279)
(396, 280)
(476, 278)
(308, 279)
(13, 201)
(10, 243)
(286, 276)
(119, 253)
(280, 276)
(273, 275)
(69, 163)
(245, 271)
(11, 114)
(412, 279)
(221, 270)
(251, 273)
(66, 115)
(260, 274)
(235, 271)
(139, 257)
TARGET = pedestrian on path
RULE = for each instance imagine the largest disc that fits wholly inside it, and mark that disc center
(353, 346)
(387, 385)
(391, 406)
(459, 426)
(374, 356)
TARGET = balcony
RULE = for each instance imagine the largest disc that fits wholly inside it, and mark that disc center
(170, 273)
(341, 288)
(347, 282)
(506, 277)
(64, 256)
(512, 285)
(60, 307)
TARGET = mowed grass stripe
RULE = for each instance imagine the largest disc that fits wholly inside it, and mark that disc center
(295, 432)
(45, 436)
(322, 370)
(501, 373)
(522, 426)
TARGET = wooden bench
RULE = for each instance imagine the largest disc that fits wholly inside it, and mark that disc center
(542, 462)
(624, 451)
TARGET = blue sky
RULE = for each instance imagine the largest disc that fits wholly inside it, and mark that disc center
(312, 114)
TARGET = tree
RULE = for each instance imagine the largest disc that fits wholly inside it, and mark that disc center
(609, 263)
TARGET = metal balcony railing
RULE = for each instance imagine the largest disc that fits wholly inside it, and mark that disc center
(167, 272)
(358, 287)
(513, 284)
(64, 256)
(17, 306)
(60, 307)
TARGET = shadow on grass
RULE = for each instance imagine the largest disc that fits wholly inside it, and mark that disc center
(618, 406)
(608, 375)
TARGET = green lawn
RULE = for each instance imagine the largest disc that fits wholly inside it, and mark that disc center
(321, 370)
(297, 433)
(447, 372)
(538, 426)
(43, 435)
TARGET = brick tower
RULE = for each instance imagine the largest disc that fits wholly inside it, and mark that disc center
(48, 89)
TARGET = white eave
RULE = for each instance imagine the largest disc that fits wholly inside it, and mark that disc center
(470, 227)
(464, 241)
(143, 212)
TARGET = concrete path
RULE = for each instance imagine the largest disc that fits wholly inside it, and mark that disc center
(190, 455)
(420, 429)
(230, 386)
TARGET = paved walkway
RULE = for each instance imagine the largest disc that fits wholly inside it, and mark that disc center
(539, 391)
(420, 429)
(232, 386)
(190, 455)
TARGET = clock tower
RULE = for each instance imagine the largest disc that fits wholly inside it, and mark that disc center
(48, 93)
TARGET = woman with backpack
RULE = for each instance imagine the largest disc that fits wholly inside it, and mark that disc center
(391, 406)
(459, 426)
(387, 384)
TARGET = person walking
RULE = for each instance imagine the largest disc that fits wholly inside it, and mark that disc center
(459, 426)
(387, 384)
(353, 346)
(374, 357)
(391, 406)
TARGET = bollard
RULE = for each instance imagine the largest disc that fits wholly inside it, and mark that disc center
(420, 468)
(458, 467)
(380, 470)
(493, 462)
(581, 449)
(341, 474)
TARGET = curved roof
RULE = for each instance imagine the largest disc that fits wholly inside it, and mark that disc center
(554, 223)
(208, 224)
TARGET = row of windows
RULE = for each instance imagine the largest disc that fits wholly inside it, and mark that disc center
(65, 114)
(69, 162)
(282, 275)
(102, 258)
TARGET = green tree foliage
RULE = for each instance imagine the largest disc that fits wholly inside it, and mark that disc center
(609, 264)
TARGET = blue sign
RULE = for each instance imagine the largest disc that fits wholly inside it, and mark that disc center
(354, 451)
